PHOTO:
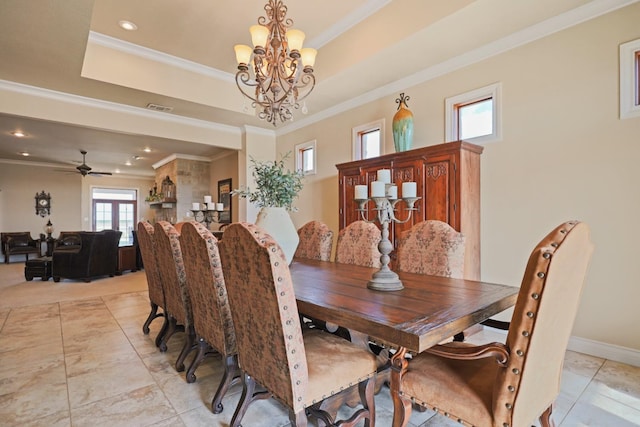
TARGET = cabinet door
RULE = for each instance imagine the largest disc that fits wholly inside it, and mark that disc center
(439, 190)
(407, 172)
(348, 212)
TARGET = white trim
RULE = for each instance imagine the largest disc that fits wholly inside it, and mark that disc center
(172, 157)
(613, 352)
(629, 80)
(493, 91)
(356, 147)
(576, 16)
(298, 160)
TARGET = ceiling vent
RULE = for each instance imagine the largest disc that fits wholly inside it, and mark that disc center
(158, 107)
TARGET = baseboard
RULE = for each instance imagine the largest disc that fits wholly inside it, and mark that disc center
(612, 352)
(604, 350)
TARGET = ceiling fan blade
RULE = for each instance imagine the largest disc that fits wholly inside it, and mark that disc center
(100, 173)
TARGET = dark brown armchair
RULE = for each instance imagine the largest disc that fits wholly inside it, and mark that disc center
(95, 255)
(514, 383)
(19, 243)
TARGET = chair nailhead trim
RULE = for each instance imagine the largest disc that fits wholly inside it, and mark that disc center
(508, 406)
(535, 295)
(530, 314)
(546, 255)
(525, 333)
(520, 353)
(541, 275)
(516, 371)
(511, 388)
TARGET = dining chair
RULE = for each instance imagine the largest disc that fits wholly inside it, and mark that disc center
(299, 370)
(358, 244)
(146, 243)
(178, 304)
(316, 241)
(510, 384)
(212, 320)
(431, 247)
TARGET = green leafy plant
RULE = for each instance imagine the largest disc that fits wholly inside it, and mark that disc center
(277, 186)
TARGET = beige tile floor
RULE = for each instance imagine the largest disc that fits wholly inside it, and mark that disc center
(73, 354)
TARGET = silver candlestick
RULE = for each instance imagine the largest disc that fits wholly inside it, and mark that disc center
(385, 279)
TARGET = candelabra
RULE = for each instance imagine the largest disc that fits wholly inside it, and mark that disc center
(385, 279)
(209, 213)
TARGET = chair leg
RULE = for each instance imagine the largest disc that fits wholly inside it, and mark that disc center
(188, 347)
(203, 346)
(248, 396)
(162, 332)
(172, 328)
(545, 418)
(231, 373)
(152, 315)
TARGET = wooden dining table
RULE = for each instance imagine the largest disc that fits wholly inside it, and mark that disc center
(427, 311)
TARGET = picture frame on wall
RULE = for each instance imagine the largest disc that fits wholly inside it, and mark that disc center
(224, 197)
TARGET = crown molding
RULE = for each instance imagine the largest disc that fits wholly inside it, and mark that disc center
(157, 56)
(84, 101)
(65, 168)
(535, 32)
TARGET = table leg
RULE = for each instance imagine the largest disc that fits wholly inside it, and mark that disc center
(401, 408)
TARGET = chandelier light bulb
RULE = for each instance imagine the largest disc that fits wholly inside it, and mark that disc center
(308, 56)
(243, 53)
(259, 35)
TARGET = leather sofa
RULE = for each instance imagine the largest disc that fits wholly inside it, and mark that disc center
(19, 243)
(85, 255)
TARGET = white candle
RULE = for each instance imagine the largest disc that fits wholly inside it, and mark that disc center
(409, 189)
(207, 199)
(361, 192)
(384, 175)
(219, 207)
(377, 189)
(392, 192)
(211, 206)
(195, 206)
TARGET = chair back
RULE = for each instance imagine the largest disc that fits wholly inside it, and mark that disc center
(146, 243)
(316, 241)
(265, 315)
(541, 324)
(358, 244)
(432, 247)
(171, 268)
(207, 291)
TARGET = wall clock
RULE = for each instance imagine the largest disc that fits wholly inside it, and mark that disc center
(43, 204)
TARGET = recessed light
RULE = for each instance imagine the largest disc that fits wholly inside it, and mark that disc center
(18, 134)
(147, 150)
(117, 170)
(128, 25)
(128, 163)
(24, 153)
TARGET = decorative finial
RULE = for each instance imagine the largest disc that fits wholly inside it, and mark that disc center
(402, 100)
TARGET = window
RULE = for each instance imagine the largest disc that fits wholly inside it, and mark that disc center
(630, 79)
(474, 116)
(368, 140)
(115, 209)
(306, 157)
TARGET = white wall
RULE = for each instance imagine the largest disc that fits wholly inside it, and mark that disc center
(564, 155)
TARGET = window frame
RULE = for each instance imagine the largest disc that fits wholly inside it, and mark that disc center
(630, 79)
(452, 104)
(125, 239)
(300, 149)
(356, 137)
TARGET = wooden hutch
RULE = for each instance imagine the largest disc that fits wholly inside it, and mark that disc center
(448, 182)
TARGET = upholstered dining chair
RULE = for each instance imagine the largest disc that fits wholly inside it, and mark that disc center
(316, 241)
(431, 247)
(298, 370)
(212, 320)
(511, 384)
(178, 305)
(358, 244)
(146, 243)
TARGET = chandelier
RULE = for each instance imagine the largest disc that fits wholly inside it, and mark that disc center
(279, 75)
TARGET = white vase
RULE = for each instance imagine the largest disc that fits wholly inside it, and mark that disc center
(277, 222)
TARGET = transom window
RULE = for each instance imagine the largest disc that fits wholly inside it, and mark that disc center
(630, 79)
(306, 157)
(368, 140)
(474, 116)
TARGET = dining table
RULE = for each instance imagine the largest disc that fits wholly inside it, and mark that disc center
(427, 311)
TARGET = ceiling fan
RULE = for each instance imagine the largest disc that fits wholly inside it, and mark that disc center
(85, 170)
